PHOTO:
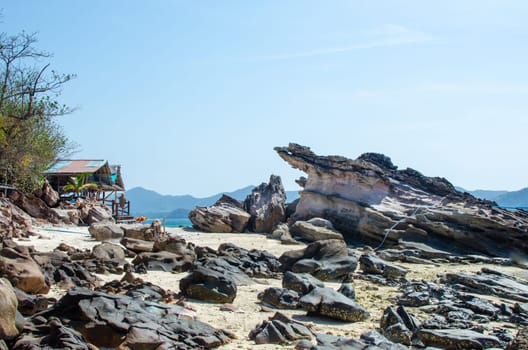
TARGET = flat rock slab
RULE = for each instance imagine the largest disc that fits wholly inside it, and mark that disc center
(458, 339)
(329, 303)
(372, 264)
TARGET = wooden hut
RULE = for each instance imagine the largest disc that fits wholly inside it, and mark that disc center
(110, 185)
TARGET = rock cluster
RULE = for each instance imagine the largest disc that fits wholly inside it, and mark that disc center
(370, 200)
(262, 210)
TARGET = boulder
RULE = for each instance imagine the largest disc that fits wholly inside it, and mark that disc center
(315, 229)
(108, 251)
(370, 200)
(8, 310)
(329, 303)
(14, 222)
(326, 260)
(279, 329)
(103, 231)
(163, 261)
(347, 290)
(225, 216)
(208, 285)
(393, 327)
(118, 321)
(371, 340)
(267, 205)
(282, 233)
(152, 233)
(280, 298)
(458, 339)
(22, 271)
(371, 264)
(48, 194)
(31, 304)
(302, 283)
(137, 245)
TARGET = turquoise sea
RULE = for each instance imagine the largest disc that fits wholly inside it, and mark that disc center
(171, 222)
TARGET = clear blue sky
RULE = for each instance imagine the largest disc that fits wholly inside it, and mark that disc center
(192, 96)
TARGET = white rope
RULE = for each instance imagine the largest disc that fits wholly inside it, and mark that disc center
(389, 230)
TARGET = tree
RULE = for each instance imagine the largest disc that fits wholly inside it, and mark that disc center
(29, 136)
(77, 184)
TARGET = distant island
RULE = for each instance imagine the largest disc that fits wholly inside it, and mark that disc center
(155, 205)
(517, 199)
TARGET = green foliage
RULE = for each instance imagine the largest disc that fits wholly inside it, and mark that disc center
(77, 184)
(30, 139)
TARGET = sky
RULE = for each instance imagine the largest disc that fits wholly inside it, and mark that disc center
(191, 97)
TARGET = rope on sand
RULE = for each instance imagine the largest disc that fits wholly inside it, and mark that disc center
(389, 230)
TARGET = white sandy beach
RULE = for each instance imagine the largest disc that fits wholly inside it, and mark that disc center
(248, 311)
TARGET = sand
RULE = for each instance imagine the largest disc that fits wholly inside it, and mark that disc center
(247, 309)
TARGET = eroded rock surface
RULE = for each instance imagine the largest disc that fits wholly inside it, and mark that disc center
(365, 197)
(225, 216)
(267, 205)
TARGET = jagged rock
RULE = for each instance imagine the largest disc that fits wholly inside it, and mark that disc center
(225, 216)
(22, 271)
(137, 245)
(138, 289)
(163, 261)
(92, 211)
(255, 263)
(279, 329)
(67, 216)
(458, 339)
(315, 229)
(367, 196)
(31, 304)
(32, 205)
(58, 268)
(491, 282)
(280, 298)
(208, 285)
(103, 231)
(329, 303)
(267, 205)
(176, 245)
(302, 283)
(14, 222)
(51, 334)
(371, 264)
(347, 290)
(394, 328)
(117, 321)
(48, 194)
(8, 310)
(326, 260)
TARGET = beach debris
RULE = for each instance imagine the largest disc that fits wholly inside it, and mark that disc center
(280, 298)
(329, 303)
(326, 260)
(104, 231)
(267, 205)
(369, 200)
(279, 329)
(315, 229)
(208, 285)
(227, 215)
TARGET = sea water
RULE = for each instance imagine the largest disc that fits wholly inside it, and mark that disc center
(172, 222)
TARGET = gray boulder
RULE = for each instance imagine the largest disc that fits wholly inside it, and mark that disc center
(371, 264)
(280, 298)
(302, 283)
(329, 303)
(208, 285)
(105, 231)
(315, 229)
(267, 205)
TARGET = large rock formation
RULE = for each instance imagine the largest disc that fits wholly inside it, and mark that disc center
(267, 205)
(366, 197)
(226, 215)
